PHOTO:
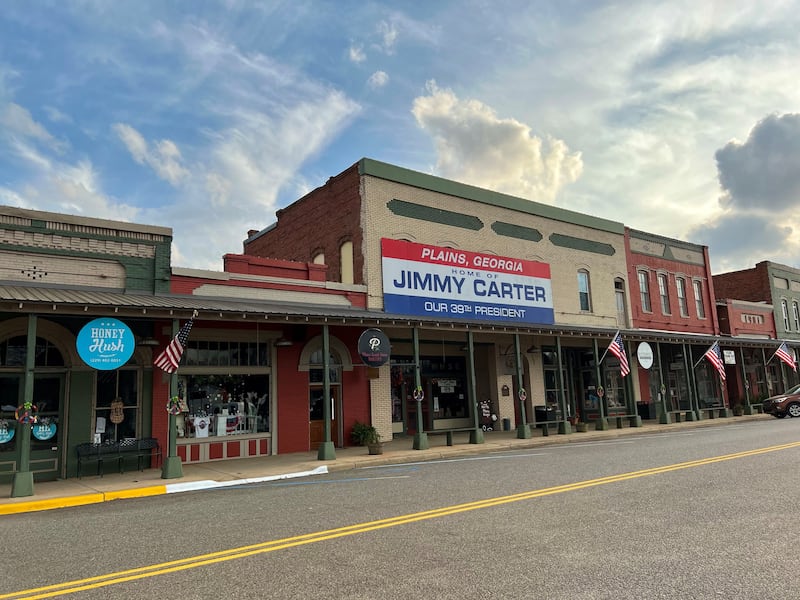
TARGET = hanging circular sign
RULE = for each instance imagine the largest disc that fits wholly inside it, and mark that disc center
(418, 394)
(174, 406)
(374, 348)
(105, 344)
(26, 413)
(522, 394)
(42, 431)
(600, 391)
(644, 354)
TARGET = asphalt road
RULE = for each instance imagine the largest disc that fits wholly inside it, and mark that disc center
(702, 513)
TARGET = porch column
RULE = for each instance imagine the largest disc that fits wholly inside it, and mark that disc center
(601, 424)
(564, 426)
(523, 429)
(664, 418)
(22, 484)
(635, 419)
(476, 435)
(420, 437)
(692, 414)
(172, 467)
(326, 450)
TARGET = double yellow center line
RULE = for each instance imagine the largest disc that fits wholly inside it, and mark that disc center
(194, 562)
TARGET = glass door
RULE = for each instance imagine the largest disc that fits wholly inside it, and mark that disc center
(46, 433)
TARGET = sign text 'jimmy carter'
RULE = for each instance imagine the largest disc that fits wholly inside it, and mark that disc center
(432, 281)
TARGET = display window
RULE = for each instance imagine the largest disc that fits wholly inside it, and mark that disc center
(223, 405)
(224, 388)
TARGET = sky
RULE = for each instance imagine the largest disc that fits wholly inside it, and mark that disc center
(678, 118)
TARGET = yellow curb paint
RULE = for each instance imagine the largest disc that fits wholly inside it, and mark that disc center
(34, 505)
(154, 490)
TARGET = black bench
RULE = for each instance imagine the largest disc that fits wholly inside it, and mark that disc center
(144, 449)
(449, 432)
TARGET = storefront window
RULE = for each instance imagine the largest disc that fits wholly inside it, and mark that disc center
(116, 409)
(220, 405)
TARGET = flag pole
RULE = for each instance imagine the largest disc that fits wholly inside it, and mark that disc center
(606, 352)
(699, 360)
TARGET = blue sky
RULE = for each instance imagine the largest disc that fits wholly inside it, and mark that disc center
(676, 118)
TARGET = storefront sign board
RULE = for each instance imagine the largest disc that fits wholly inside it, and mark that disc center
(433, 281)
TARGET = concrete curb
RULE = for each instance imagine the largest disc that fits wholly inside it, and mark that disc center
(143, 492)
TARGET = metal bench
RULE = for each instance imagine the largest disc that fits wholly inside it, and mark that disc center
(144, 449)
(449, 432)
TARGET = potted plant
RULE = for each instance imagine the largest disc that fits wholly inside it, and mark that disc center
(365, 434)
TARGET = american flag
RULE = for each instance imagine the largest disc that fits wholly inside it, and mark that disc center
(786, 356)
(714, 356)
(618, 349)
(169, 359)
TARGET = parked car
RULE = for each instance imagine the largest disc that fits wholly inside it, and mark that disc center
(784, 404)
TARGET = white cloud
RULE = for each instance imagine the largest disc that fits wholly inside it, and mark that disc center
(164, 157)
(357, 54)
(18, 121)
(377, 80)
(475, 146)
(388, 34)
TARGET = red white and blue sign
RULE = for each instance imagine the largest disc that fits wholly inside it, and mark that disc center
(433, 281)
(105, 344)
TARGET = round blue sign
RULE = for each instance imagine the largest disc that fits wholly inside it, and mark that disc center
(105, 344)
(6, 434)
(43, 432)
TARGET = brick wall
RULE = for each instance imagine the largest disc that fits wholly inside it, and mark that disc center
(677, 260)
(749, 284)
(321, 221)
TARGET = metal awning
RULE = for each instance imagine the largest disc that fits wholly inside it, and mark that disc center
(74, 301)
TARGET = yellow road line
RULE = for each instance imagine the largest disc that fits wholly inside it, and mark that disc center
(194, 562)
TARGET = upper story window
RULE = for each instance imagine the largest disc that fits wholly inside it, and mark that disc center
(698, 299)
(796, 311)
(663, 292)
(785, 311)
(584, 291)
(680, 283)
(319, 258)
(644, 291)
(346, 262)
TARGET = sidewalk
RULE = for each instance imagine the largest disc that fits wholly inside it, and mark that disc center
(92, 489)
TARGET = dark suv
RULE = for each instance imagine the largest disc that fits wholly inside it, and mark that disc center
(784, 404)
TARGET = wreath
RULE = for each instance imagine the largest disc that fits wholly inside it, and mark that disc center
(174, 405)
(418, 393)
(26, 413)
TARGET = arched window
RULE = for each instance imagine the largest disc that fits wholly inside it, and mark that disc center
(584, 291)
(698, 299)
(644, 291)
(346, 261)
(14, 353)
(796, 311)
(663, 293)
(680, 284)
(785, 311)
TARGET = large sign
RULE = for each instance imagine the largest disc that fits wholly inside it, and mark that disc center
(432, 281)
(105, 344)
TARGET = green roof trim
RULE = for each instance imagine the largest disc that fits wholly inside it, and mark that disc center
(567, 241)
(434, 215)
(374, 168)
(516, 231)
